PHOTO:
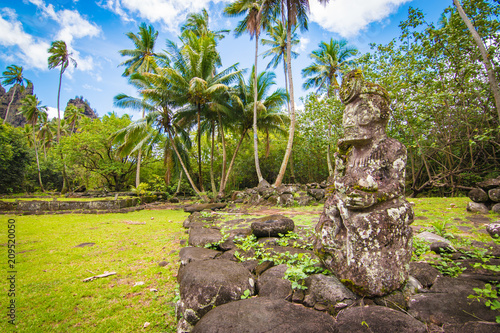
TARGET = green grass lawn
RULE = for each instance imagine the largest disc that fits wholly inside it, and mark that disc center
(50, 294)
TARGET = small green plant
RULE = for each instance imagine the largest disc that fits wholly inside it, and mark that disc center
(447, 266)
(490, 295)
(215, 245)
(300, 266)
(206, 214)
(420, 247)
(440, 229)
(246, 294)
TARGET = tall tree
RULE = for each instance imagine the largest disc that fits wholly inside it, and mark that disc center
(142, 59)
(60, 57)
(328, 61)
(495, 88)
(33, 111)
(13, 75)
(295, 13)
(73, 114)
(252, 23)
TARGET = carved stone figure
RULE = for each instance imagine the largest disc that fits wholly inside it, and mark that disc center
(363, 235)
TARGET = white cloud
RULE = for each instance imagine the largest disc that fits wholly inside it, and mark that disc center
(170, 13)
(90, 87)
(52, 112)
(303, 42)
(32, 52)
(349, 17)
(72, 26)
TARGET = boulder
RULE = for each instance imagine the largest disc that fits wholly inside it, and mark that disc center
(190, 254)
(262, 314)
(327, 291)
(203, 236)
(476, 207)
(493, 229)
(431, 238)
(424, 273)
(206, 284)
(317, 194)
(448, 303)
(286, 200)
(488, 184)
(472, 327)
(478, 195)
(272, 283)
(304, 200)
(496, 208)
(201, 207)
(494, 194)
(442, 247)
(272, 226)
(377, 319)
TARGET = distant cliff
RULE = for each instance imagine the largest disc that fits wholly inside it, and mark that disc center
(79, 102)
(5, 98)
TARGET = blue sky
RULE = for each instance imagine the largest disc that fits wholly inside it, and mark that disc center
(95, 32)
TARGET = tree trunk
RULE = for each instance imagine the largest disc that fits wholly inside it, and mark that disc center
(291, 132)
(200, 194)
(37, 161)
(58, 109)
(8, 106)
(255, 96)
(179, 184)
(212, 179)
(139, 157)
(328, 151)
(200, 177)
(224, 153)
(222, 189)
(484, 54)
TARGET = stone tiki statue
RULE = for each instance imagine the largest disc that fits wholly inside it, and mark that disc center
(364, 235)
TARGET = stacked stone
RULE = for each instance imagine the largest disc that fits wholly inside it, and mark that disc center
(285, 195)
(485, 197)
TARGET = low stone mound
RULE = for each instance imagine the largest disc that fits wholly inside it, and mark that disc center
(485, 197)
(262, 314)
(202, 207)
(377, 319)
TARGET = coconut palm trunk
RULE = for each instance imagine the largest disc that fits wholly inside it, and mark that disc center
(255, 97)
(10, 103)
(212, 178)
(37, 160)
(224, 157)
(226, 178)
(492, 80)
(291, 132)
(200, 194)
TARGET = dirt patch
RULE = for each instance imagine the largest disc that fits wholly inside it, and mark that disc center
(478, 219)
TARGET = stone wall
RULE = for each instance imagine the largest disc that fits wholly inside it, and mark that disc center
(51, 206)
(485, 197)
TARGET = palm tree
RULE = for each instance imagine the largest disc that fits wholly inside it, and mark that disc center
(252, 23)
(296, 14)
(33, 111)
(60, 56)
(328, 61)
(198, 24)
(193, 82)
(73, 114)
(46, 134)
(269, 116)
(142, 60)
(13, 75)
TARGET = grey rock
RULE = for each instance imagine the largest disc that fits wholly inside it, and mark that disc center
(442, 247)
(328, 291)
(272, 283)
(190, 254)
(478, 195)
(317, 194)
(431, 238)
(424, 273)
(494, 194)
(476, 207)
(488, 184)
(496, 208)
(206, 284)
(286, 200)
(472, 327)
(493, 229)
(201, 207)
(377, 319)
(203, 236)
(262, 314)
(272, 226)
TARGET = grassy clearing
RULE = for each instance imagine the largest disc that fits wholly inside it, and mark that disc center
(50, 294)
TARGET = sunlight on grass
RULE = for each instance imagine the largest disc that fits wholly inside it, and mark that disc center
(50, 294)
